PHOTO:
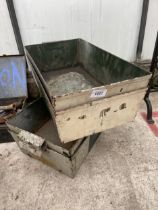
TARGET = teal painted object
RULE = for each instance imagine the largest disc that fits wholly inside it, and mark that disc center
(54, 55)
(102, 65)
(114, 83)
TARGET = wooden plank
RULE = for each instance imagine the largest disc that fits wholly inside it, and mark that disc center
(98, 116)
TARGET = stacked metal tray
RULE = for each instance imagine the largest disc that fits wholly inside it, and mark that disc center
(85, 90)
(108, 91)
(33, 131)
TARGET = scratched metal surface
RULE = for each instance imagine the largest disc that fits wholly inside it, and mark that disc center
(13, 83)
(35, 118)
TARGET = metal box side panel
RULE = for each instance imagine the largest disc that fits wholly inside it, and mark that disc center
(47, 156)
(36, 119)
(70, 166)
(82, 152)
(82, 97)
(54, 55)
(61, 162)
(106, 67)
(32, 117)
(98, 116)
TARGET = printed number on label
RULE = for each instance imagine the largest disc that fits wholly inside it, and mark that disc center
(98, 93)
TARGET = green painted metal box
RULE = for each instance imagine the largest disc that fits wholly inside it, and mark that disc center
(108, 93)
(33, 131)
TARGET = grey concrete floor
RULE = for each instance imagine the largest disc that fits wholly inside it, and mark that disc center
(120, 173)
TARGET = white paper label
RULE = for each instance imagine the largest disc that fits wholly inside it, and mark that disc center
(98, 93)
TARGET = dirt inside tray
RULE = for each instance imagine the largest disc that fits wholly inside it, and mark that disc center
(69, 80)
(49, 133)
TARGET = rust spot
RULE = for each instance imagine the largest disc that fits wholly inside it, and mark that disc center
(82, 117)
(104, 111)
(121, 90)
(122, 106)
